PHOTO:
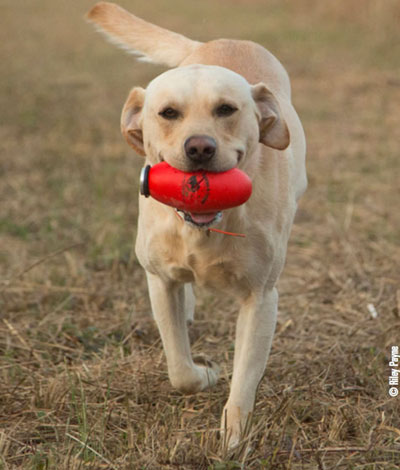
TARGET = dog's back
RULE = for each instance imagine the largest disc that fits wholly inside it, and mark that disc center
(158, 45)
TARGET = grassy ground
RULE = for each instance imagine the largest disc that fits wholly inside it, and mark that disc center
(83, 380)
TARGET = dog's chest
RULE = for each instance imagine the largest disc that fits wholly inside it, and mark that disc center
(208, 270)
(209, 262)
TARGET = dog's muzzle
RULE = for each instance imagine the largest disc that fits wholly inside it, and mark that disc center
(202, 221)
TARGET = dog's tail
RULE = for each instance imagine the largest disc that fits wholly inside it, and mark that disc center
(150, 42)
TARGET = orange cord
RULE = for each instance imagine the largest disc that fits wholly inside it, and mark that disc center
(227, 233)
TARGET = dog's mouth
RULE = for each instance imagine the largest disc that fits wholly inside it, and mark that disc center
(201, 220)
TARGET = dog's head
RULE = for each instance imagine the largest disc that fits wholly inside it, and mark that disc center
(202, 117)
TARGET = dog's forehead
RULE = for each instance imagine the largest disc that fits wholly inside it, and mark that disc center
(186, 82)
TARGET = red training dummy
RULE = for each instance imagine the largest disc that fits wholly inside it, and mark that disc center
(195, 192)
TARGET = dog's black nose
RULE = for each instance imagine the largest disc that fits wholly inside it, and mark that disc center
(200, 148)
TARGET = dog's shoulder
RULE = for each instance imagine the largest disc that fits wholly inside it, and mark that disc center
(249, 59)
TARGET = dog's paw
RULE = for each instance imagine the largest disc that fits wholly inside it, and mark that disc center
(202, 374)
(208, 369)
(235, 426)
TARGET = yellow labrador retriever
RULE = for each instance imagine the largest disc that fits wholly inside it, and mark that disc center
(225, 104)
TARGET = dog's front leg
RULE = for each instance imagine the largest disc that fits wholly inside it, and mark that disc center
(168, 304)
(254, 332)
(190, 302)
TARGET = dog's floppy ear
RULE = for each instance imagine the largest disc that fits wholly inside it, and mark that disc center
(273, 128)
(131, 126)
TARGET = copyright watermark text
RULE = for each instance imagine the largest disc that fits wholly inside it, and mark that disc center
(394, 372)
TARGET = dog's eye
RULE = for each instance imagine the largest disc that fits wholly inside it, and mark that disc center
(225, 110)
(169, 113)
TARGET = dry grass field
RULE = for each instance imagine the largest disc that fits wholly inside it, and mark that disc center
(83, 380)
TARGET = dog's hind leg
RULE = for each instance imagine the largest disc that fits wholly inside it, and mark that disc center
(168, 304)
